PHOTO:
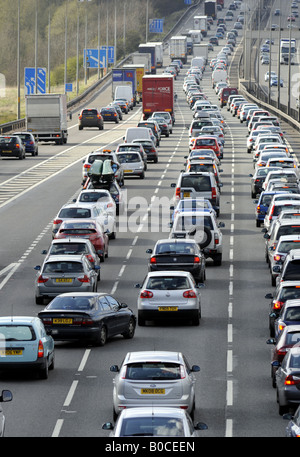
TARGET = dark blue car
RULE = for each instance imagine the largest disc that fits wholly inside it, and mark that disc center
(30, 143)
(110, 114)
(262, 205)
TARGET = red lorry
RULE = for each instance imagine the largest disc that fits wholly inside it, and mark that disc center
(158, 94)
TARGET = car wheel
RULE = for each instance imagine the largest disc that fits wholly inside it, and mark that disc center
(142, 176)
(130, 330)
(43, 372)
(192, 414)
(80, 127)
(52, 364)
(39, 300)
(102, 337)
(273, 280)
(155, 160)
(196, 318)
(218, 260)
(207, 238)
(282, 409)
(115, 415)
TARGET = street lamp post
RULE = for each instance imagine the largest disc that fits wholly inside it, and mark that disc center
(18, 65)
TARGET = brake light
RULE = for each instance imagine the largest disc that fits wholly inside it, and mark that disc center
(42, 279)
(153, 260)
(271, 214)
(282, 351)
(47, 320)
(177, 192)
(182, 373)
(123, 372)
(213, 192)
(281, 327)
(40, 350)
(189, 294)
(146, 294)
(278, 305)
(216, 239)
(258, 209)
(17, 145)
(57, 221)
(90, 258)
(87, 321)
(196, 259)
(292, 380)
(87, 165)
(277, 257)
(84, 278)
(80, 117)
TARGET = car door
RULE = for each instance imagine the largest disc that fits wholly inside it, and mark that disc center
(107, 316)
(120, 315)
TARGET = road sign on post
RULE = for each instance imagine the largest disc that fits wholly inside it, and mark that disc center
(91, 58)
(111, 53)
(30, 80)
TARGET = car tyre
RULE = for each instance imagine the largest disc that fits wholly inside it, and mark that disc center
(39, 300)
(218, 260)
(43, 372)
(141, 320)
(129, 333)
(142, 176)
(102, 337)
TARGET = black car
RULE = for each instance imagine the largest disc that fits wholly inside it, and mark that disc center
(123, 105)
(118, 109)
(110, 114)
(30, 143)
(214, 40)
(178, 254)
(90, 117)
(12, 146)
(93, 317)
(150, 150)
(153, 127)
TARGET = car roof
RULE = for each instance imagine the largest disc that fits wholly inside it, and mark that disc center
(64, 258)
(162, 273)
(290, 303)
(70, 240)
(148, 356)
(147, 411)
(7, 320)
(176, 240)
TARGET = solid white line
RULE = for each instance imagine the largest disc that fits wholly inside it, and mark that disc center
(228, 433)
(57, 428)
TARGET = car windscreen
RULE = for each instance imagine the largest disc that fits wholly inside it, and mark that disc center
(185, 223)
(68, 249)
(90, 197)
(194, 166)
(88, 112)
(125, 158)
(292, 314)
(292, 338)
(15, 332)
(85, 302)
(63, 267)
(74, 213)
(175, 248)
(279, 208)
(152, 426)
(125, 148)
(292, 272)
(205, 142)
(153, 371)
(168, 283)
(94, 157)
(199, 183)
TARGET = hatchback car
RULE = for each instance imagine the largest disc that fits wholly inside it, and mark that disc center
(288, 381)
(12, 146)
(25, 345)
(286, 290)
(149, 149)
(132, 164)
(64, 273)
(90, 117)
(114, 190)
(184, 255)
(109, 114)
(289, 315)
(289, 336)
(168, 295)
(293, 428)
(154, 378)
(5, 396)
(30, 143)
(89, 229)
(101, 197)
(152, 421)
(278, 253)
(93, 317)
(74, 246)
(167, 116)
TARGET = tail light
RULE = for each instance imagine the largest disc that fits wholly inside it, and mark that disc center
(31, 142)
(292, 380)
(216, 239)
(196, 259)
(146, 294)
(189, 294)
(87, 166)
(40, 350)
(42, 279)
(84, 278)
(17, 145)
(282, 351)
(87, 321)
(57, 221)
(123, 372)
(90, 258)
(258, 209)
(153, 260)
(80, 117)
(47, 320)
(182, 372)
(213, 192)
(278, 305)
(271, 214)
(177, 192)
(281, 327)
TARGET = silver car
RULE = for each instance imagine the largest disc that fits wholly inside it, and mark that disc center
(154, 378)
(288, 381)
(61, 274)
(154, 421)
(6, 395)
(166, 295)
(132, 163)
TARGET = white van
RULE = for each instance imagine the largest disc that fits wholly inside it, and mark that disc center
(137, 133)
(125, 92)
(219, 76)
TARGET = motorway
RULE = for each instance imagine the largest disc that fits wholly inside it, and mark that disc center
(234, 396)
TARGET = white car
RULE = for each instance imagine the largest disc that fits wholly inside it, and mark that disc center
(85, 211)
(166, 295)
(101, 197)
(272, 73)
(150, 421)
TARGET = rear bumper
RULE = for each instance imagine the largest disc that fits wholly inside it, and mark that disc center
(67, 334)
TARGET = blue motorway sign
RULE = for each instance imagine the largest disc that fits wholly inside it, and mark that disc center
(188, 2)
(111, 53)
(29, 80)
(156, 25)
(91, 57)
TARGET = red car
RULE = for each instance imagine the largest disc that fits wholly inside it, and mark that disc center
(207, 142)
(86, 229)
(289, 336)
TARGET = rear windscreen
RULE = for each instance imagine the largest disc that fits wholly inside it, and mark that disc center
(199, 183)
(153, 371)
(63, 267)
(17, 333)
(292, 271)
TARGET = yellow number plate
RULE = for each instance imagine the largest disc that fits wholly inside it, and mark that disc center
(127, 171)
(186, 194)
(168, 308)
(4, 352)
(153, 391)
(63, 280)
(62, 321)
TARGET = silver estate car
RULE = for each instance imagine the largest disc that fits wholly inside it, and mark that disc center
(66, 273)
(154, 378)
(288, 381)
